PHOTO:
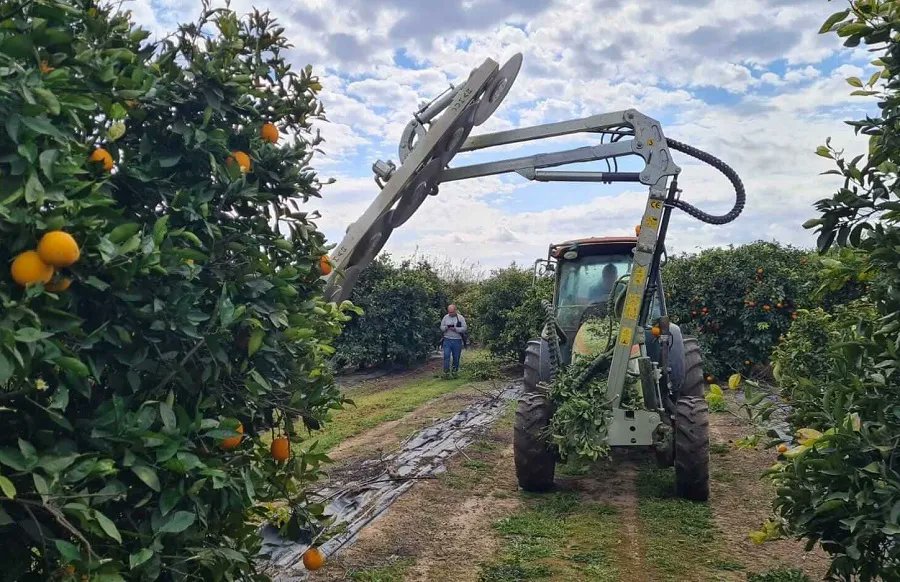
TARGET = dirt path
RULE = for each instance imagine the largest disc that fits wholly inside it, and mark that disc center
(615, 521)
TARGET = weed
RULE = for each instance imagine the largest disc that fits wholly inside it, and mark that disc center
(779, 576)
(719, 448)
(559, 534)
(375, 408)
(679, 534)
(723, 476)
(389, 573)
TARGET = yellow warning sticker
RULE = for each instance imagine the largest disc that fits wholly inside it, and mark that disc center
(639, 275)
(651, 221)
(656, 204)
(632, 306)
(625, 336)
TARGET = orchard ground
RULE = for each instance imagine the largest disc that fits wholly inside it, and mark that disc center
(613, 521)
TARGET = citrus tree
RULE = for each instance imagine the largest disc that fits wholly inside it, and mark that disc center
(160, 290)
(840, 486)
(505, 310)
(738, 300)
(401, 306)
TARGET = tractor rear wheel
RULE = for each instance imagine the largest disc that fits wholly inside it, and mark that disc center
(692, 448)
(693, 369)
(534, 458)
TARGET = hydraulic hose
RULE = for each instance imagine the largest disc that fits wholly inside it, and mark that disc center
(552, 337)
(740, 193)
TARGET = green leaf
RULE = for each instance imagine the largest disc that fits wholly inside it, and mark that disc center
(833, 19)
(7, 487)
(180, 521)
(47, 98)
(47, 160)
(167, 415)
(824, 152)
(34, 190)
(108, 527)
(13, 459)
(160, 228)
(138, 558)
(854, 82)
(41, 125)
(168, 500)
(68, 550)
(5, 519)
(6, 369)
(256, 340)
(148, 476)
(73, 365)
(29, 335)
(123, 232)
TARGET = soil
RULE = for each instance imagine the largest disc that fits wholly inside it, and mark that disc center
(441, 529)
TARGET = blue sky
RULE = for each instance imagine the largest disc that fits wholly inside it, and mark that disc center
(751, 82)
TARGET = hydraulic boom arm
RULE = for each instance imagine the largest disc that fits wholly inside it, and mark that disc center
(426, 153)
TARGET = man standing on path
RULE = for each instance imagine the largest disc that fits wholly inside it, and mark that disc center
(453, 326)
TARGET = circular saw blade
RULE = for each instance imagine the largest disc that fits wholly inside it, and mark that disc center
(497, 88)
(416, 193)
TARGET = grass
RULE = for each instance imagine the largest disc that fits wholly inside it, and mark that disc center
(779, 576)
(556, 537)
(719, 448)
(389, 573)
(375, 408)
(679, 535)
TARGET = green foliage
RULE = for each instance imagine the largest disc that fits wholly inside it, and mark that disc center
(580, 423)
(190, 311)
(505, 310)
(843, 490)
(738, 300)
(818, 351)
(402, 306)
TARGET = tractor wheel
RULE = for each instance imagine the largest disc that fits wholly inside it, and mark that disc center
(692, 448)
(693, 369)
(534, 458)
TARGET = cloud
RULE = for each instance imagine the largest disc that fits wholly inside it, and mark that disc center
(751, 82)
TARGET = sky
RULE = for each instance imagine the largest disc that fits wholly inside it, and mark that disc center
(751, 82)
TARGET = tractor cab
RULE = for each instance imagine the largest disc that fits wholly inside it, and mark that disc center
(587, 271)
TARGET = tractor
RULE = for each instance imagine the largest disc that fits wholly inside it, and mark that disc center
(588, 276)
(616, 278)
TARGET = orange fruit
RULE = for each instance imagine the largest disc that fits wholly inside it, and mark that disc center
(656, 331)
(281, 449)
(28, 269)
(59, 249)
(102, 156)
(751, 304)
(59, 285)
(233, 442)
(710, 379)
(747, 362)
(313, 559)
(45, 67)
(793, 316)
(767, 307)
(269, 133)
(325, 265)
(242, 160)
(759, 271)
(779, 305)
(782, 448)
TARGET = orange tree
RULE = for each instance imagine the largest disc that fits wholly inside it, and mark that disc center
(136, 382)
(738, 300)
(840, 486)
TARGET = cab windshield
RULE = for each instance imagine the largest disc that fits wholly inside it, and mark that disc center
(585, 282)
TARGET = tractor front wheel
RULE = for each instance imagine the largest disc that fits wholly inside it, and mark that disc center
(692, 448)
(534, 458)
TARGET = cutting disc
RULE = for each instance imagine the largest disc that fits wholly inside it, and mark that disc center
(456, 136)
(412, 134)
(497, 88)
(426, 180)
